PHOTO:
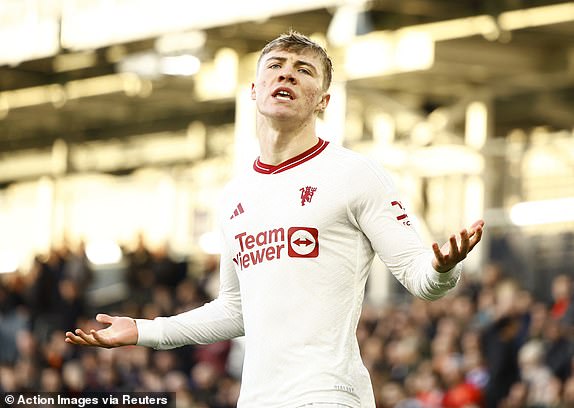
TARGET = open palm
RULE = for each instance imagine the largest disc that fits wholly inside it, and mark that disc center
(453, 251)
(121, 331)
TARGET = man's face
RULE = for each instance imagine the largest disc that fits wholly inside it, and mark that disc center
(289, 86)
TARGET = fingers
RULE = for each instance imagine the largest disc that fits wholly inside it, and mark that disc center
(88, 338)
(438, 254)
(80, 338)
(468, 239)
(454, 252)
(104, 318)
(476, 237)
(94, 337)
(464, 242)
(459, 253)
(71, 338)
(477, 224)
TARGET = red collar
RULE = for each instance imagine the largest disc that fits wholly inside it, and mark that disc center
(263, 168)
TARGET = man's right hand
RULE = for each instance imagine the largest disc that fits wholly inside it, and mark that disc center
(121, 331)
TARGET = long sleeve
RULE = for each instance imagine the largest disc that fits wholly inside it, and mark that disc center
(381, 216)
(218, 320)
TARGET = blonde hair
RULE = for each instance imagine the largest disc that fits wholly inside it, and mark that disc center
(294, 41)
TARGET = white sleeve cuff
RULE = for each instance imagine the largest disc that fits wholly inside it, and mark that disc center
(449, 278)
(149, 332)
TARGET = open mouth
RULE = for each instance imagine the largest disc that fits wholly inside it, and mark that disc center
(283, 94)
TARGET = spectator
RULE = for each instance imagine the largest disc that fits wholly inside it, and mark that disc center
(558, 351)
(166, 272)
(562, 307)
(458, 392)
(392, 395)
(500, 348)
(537, 376)
(139, 274)
(426, 387)
(44, 294)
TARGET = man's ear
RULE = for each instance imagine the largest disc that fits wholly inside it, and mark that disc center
(324, 102)
(252, 91)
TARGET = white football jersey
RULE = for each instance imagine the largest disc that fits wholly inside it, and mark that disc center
(299, 239)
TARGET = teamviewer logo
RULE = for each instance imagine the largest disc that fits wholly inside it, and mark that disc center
(303, 242)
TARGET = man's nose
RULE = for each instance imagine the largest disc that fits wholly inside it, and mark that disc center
(287, 75)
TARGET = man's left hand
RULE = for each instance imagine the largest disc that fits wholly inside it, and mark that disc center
(453, 251)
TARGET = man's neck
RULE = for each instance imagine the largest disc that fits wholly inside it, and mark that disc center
(280, 144)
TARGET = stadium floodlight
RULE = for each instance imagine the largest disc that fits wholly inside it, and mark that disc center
(543, 212)
(103, 252)
(180, 65)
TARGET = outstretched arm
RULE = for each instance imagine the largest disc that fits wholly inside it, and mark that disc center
(220, 319)
(429, 273)
(451, 253)
(120, 331)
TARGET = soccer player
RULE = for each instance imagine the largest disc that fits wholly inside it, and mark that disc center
(299, 233)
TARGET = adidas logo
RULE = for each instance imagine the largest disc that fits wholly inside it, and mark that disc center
(238, 210)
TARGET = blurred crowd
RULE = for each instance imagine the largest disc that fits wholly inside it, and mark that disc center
(490, 343)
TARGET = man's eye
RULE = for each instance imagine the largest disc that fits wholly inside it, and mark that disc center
(274, 66)
(305, 71)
